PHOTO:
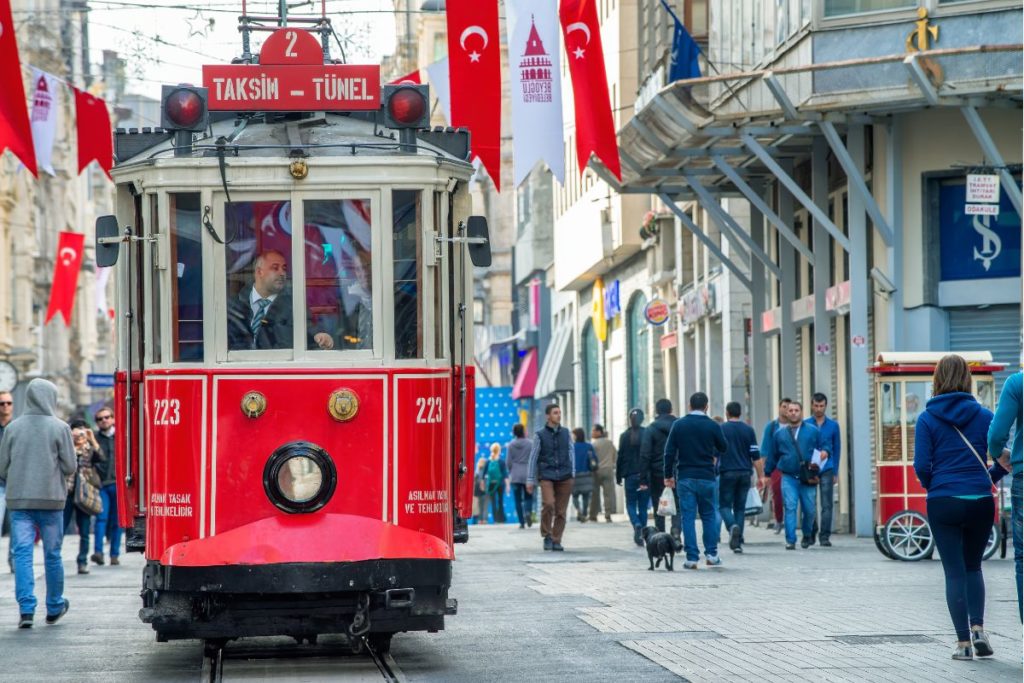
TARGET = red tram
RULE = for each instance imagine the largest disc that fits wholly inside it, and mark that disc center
(295, 408)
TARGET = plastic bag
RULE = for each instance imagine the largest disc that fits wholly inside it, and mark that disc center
(754, 504)
(667, 503)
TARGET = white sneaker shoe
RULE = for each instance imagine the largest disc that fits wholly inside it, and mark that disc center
(714, 561)
(689, 565)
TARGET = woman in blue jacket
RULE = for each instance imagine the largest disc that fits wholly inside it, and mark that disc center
(949, 459)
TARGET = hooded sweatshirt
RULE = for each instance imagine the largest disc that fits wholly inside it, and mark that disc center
(944, 464)
(36, 453)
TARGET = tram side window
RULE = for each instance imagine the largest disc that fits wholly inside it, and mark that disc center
(187, 260)
(339, 273)
(258, 272)
(408, 277)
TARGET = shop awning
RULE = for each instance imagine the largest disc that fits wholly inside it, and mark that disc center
(526, 379)
(556, 370)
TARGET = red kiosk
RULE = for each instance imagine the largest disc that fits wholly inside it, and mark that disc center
(903, 385)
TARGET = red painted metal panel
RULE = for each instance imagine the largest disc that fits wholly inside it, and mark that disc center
(306, 538)
(126, 459)
(913, 485)
(888, 507)
(890, 479)
(175, 420)
(423, 463)
(464, 480)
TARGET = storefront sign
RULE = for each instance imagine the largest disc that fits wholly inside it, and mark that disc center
(597, 318)
(699, 302)
(977, 247)
(657, 312)
(612, 307)
(669, 341)
(981, 209)
(982, 189)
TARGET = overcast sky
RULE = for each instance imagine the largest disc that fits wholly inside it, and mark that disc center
(168, 42)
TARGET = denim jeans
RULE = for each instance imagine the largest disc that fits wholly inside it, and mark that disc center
(697, 496)
(108, 516)
(1016, 491)
(24, 524)
(792, 493)
(524, 502)
(637, 501)
(497, 506)
(83, 521)
(732, 498)
(827, 485)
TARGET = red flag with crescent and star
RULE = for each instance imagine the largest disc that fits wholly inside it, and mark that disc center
(95, 138)
(65, 275)
(595, 127)
(474, 66)
(15, 129)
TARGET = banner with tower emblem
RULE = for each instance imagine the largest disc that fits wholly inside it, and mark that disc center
(535, 86)
(45, 106)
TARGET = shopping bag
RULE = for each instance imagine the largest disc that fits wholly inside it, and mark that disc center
(754, 504)
(667, 503)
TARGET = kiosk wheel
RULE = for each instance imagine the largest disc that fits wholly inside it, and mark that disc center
(880, 545)
(994, 539)
(908, 537)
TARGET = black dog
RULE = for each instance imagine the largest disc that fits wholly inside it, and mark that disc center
(661, 546)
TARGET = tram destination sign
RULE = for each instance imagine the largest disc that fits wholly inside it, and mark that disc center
(292, 76)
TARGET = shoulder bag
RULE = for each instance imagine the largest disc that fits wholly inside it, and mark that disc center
(87, 491)
(808, 473)
(974, 450)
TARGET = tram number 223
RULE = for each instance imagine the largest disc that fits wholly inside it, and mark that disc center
(429, 410)
(166, 411)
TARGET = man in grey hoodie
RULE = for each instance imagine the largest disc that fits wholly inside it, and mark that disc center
(36, 454)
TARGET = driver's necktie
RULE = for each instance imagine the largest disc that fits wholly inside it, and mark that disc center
(257, 318)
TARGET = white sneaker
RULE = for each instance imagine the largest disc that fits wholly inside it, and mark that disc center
(714, 561)
(689, 565)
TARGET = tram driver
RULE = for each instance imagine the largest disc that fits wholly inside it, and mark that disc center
(260, 317)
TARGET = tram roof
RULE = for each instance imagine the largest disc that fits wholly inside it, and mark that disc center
(281, 136)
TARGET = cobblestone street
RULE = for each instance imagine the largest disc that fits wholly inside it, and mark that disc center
(592, 613)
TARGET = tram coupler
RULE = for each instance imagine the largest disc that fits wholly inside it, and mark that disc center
(399, 598)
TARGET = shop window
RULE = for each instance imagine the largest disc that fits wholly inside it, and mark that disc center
(637, 348)
(405, 208)
(186, 262)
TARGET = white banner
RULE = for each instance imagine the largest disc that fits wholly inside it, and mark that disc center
(45, 103)
(535, 86)
(437, 74)
(102, 278)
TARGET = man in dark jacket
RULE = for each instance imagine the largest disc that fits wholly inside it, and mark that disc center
(553, 465)
(691, 453)
(792, 445)
(735, 470)
(652, 460)
(260, 317)
(106, 521)
(628, 471)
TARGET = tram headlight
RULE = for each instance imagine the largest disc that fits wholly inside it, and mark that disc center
(299, 477)
(184, 108)
(405, 106)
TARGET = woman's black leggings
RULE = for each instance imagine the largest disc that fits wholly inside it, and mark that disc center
(961, 528)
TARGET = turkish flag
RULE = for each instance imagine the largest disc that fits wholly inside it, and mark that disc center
(413, 77)
(474, 64)
(595, 128)
(95, 138)
(15, 129)
(65, 275)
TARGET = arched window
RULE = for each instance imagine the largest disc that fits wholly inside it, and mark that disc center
(637, 342)
(591, 378)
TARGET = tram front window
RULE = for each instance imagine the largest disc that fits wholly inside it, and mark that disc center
(339, 269)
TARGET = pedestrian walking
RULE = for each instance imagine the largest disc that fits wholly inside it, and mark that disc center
(36, 453)
(768, 445)
(518, 450)
(694, 446)
(107, 525)
(480, 490)
(950, 439)
(628, 471)
(604, 478)
(833, 444)
(585, 465)
(792, 453)
(89, 457)
(497, 484)
(552, 465)
(652, 460)
(6, 415)
(737, 465)
(1008, 413)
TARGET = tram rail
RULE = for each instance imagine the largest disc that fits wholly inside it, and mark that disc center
(341, 654)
